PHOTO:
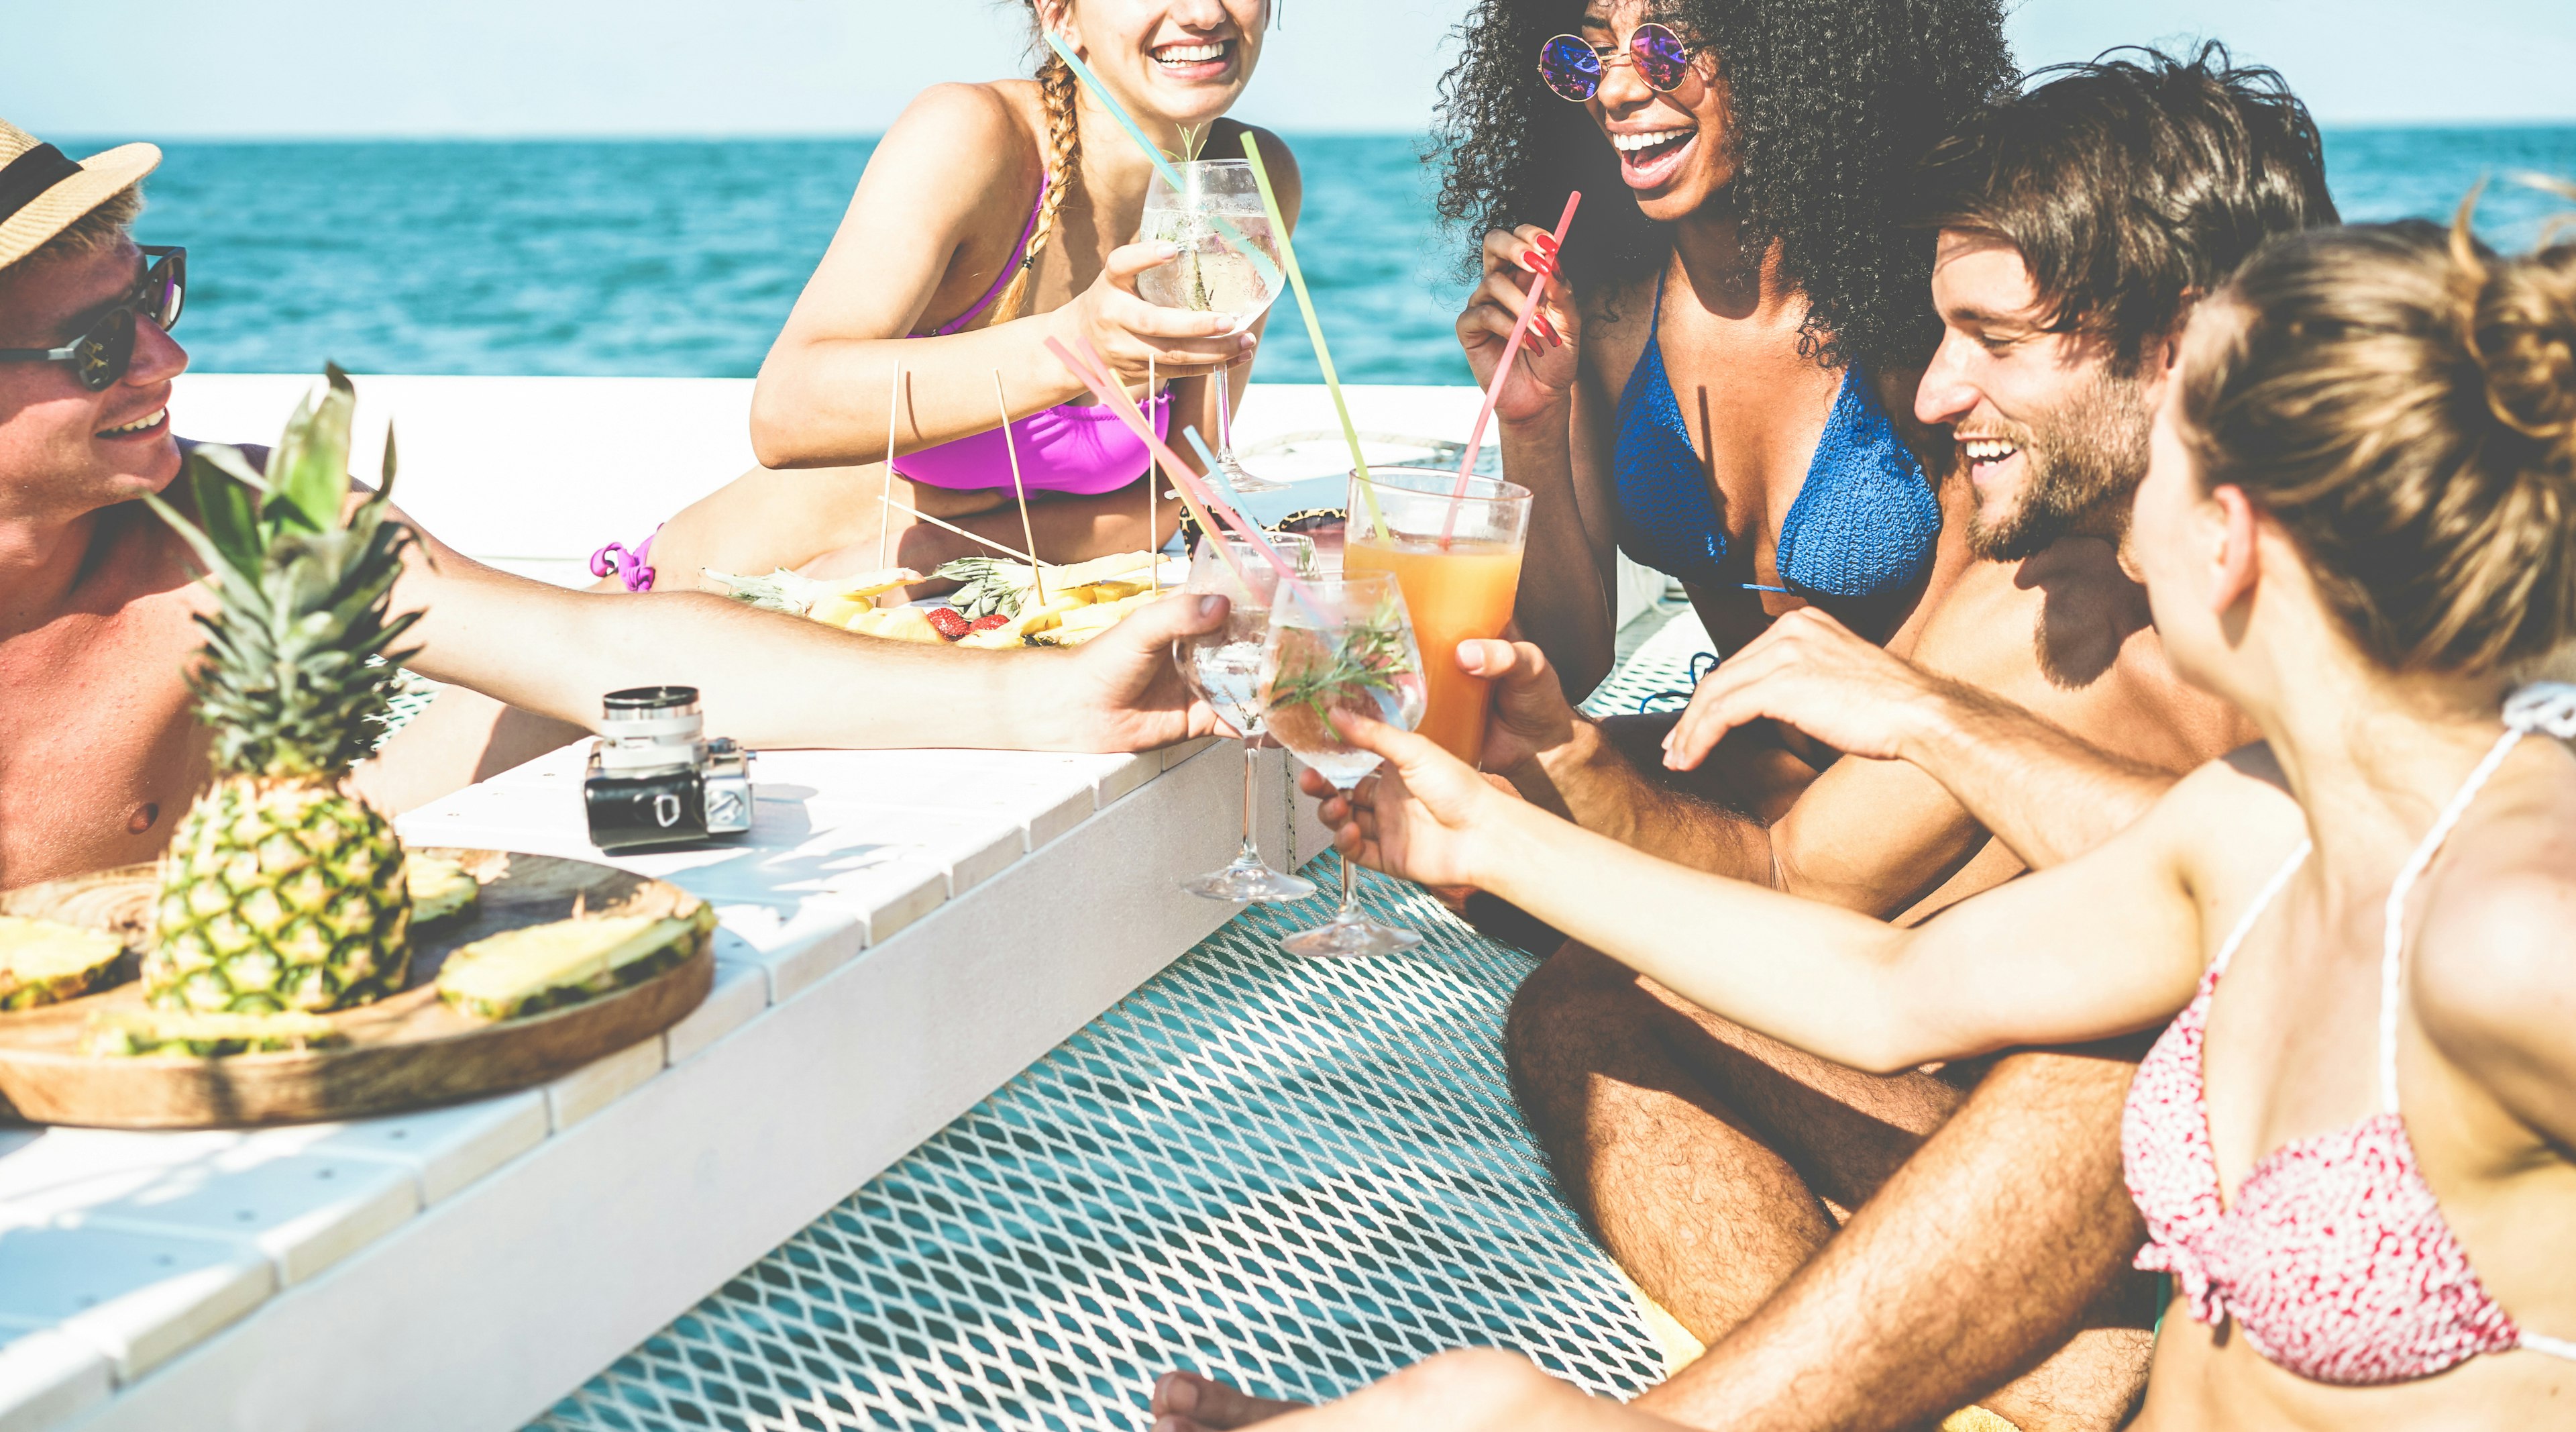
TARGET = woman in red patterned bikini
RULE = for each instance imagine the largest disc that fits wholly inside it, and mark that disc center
(2355, 1144)
(992, 217)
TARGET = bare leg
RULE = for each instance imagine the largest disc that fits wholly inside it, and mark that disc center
(1475, 1390)
(1703, 1154)
(2010, 1228)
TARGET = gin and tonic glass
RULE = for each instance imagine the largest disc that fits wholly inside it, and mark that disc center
(1224, 666)
(1341, 645)
(1228, 265)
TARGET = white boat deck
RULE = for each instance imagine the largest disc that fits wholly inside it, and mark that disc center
(902, 932)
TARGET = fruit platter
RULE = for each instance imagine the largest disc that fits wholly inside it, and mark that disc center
(998, 602)
(288, 958)
(519, 969)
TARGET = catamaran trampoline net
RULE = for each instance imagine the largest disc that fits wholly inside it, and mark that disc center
(1297, 1175)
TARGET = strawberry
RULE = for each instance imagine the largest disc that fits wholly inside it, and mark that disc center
(988, 622)
(949, 622)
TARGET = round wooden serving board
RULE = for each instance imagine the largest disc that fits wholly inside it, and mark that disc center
(403, 1053)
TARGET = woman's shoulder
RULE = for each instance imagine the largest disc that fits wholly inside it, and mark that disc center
(2493, 965)
(969, 127)
(2228, 824)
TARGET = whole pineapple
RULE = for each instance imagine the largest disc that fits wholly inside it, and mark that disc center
(281, 891)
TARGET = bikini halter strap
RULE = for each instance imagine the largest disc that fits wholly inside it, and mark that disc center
(2541, 706)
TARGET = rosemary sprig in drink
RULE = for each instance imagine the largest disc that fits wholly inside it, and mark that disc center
(1366, 662)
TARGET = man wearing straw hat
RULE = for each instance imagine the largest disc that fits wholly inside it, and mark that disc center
(100, 750)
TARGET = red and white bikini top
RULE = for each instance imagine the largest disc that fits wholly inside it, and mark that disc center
(2334, 1260)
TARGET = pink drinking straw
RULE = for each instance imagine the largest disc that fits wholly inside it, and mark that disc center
(1195, 493)
(1503, 370)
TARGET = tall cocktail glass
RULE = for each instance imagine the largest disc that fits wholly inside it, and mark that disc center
(1460, 563)
(1216, 220)
(1340, 646)
(1224, 666)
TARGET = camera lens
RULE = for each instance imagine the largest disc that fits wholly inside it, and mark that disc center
(640, 702)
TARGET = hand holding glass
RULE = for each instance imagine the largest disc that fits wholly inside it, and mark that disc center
(1229, 259)
(1224, 666)
(1341, 645)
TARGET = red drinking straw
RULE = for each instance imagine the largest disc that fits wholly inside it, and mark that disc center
(1503, 370)
(1202, 502)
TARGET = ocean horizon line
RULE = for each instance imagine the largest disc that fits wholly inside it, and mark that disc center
(824, 136)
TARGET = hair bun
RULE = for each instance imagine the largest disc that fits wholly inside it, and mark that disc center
(2525, 340)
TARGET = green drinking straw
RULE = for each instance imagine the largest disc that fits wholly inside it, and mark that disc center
(1162, 165)
(1314, 327)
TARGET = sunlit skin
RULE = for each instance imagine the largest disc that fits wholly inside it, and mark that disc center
(939, 211)
(1752, 403)
(2001, 373)
(936, 217)
(100, 751)
(2012, 713)
(1965, 788)
(2353, 757)
(98, 755)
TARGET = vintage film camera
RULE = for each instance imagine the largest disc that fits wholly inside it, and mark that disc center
(654, 779)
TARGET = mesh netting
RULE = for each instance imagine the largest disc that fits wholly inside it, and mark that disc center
(1297, 1175)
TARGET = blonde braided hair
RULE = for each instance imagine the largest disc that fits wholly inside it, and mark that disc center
(1056, 85)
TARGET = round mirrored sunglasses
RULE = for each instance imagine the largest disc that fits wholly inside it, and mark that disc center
(1574, 69)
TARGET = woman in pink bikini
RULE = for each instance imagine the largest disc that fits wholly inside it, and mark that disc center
(991, 218)
(2355, 1143)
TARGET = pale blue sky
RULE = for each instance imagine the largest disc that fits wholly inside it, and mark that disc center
(188, 68)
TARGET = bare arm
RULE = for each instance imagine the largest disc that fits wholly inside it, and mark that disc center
(1547, 426)
(1872, 836)
(773, 680)
(2047, 793)
(2104, 945)
(957, 158)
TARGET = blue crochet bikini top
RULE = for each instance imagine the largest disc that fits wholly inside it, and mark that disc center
(1864, 524)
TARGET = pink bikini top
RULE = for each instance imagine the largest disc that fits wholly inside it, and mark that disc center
(1078, 449)
(2334, 1260)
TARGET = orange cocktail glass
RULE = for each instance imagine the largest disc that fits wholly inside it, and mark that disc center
(1459, 563)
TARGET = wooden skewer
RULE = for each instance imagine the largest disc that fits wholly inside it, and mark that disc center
(1153, 493)
(917, 514)
(885, 494)
(1028, 534)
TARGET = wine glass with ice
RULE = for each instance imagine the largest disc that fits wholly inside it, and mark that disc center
(1228, 265)
(1224, 666)
(1341, 644)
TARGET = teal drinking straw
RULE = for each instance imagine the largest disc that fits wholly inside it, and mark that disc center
(1314, 325)
(1162, 165)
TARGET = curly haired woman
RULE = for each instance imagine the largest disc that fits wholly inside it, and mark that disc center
(992, 217)
(1723, 393)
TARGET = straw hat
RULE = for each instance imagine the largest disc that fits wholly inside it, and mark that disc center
(43, 193)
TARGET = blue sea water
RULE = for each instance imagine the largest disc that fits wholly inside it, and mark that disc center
(682, 258)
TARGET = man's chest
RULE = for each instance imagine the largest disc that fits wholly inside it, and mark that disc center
(99, 752)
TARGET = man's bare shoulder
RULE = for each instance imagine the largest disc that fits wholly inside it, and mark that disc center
(2067, 633)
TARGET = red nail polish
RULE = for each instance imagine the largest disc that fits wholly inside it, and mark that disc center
(1546, 241)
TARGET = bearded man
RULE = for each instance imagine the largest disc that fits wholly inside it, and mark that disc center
(1857, 1251)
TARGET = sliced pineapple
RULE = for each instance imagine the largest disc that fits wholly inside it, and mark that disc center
(1100, 616)
(999, 584)
(440, 889)
(544, 967)
(45, 963)
(133, 1033)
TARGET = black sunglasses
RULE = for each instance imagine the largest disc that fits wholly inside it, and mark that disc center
(101, 356)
